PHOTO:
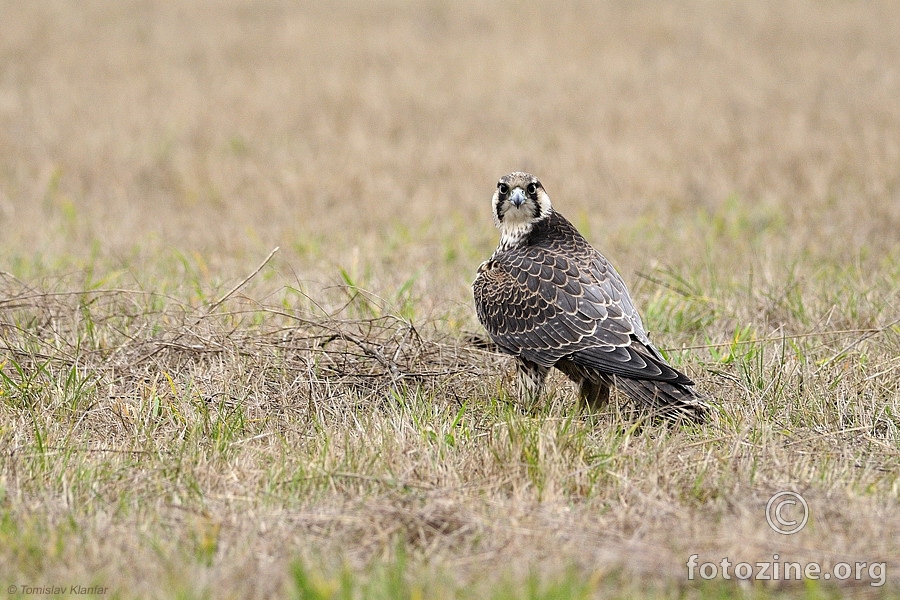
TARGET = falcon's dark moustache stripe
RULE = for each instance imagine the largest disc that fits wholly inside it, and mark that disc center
(501, 199)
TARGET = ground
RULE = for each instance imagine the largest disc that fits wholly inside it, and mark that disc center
(236, 322)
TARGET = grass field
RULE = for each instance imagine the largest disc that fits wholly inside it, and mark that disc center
(186, 411)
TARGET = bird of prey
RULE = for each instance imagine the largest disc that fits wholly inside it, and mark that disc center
(549, 299)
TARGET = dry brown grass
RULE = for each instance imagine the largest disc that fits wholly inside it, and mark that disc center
(322, 425)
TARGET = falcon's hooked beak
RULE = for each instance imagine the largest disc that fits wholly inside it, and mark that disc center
(517, 197)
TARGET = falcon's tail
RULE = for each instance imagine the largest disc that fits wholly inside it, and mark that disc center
(670, 400)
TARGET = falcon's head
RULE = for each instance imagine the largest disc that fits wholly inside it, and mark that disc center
(519, 202)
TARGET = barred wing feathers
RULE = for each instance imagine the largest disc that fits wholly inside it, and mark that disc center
(537, 302)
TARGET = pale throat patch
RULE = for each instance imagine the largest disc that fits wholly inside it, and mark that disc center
(518, 222)
(512, 235)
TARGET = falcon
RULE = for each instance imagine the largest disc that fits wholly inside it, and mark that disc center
(549, 299)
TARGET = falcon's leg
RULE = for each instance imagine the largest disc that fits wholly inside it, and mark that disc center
(593, 391)
(530, 379)
(593, 394)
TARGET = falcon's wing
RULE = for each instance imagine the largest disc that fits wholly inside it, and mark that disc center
(543, 307)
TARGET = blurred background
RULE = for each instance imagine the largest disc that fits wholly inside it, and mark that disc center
(368, 136)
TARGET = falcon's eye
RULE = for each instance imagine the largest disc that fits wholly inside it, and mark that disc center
(532, 189)
(502, 188)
